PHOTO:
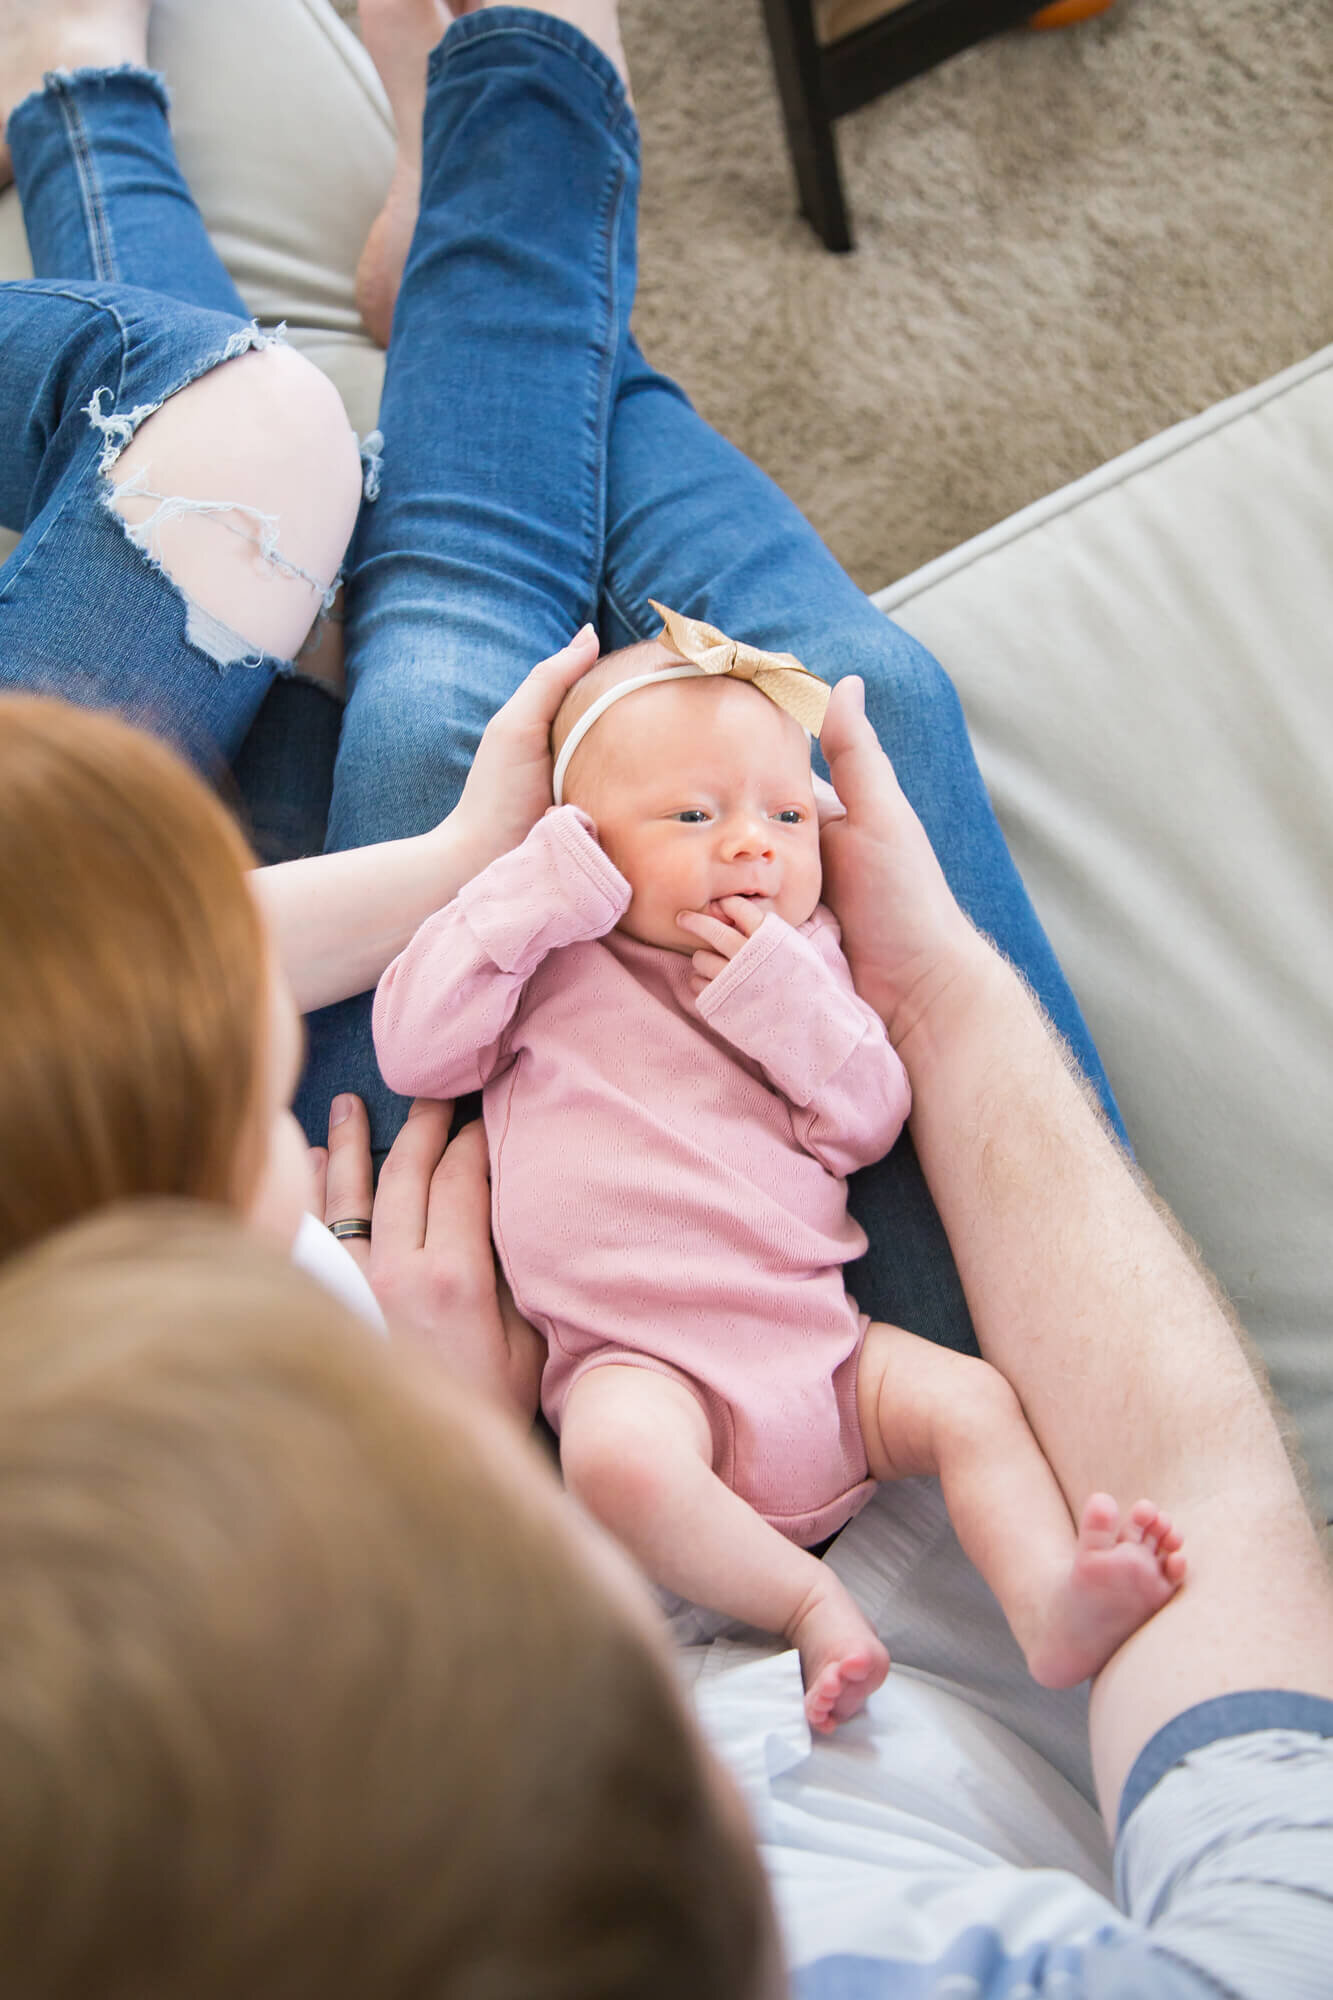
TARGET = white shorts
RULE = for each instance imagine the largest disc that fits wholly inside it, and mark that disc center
(944, 1845)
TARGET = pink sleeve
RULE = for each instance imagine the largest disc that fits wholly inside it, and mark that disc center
(444, 1005)
(787, 1000)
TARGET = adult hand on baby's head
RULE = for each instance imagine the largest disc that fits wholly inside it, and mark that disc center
(904, 935)
(430, 1261)
(509, 786)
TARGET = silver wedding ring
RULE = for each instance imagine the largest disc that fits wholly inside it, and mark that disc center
(354, 1225)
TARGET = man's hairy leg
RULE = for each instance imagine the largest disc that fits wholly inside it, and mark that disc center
(1125, 1362)
(1082, 1295)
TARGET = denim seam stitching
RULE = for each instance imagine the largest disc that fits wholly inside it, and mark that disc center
(95, 216)
(48, 289)
(20, 557)
(632, 626)
(625, 127)
(599, 414)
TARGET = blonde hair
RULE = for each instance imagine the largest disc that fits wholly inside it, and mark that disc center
(302, 1688)
(132, 976)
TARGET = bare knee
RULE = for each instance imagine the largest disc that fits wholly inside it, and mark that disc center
(918, 1402)
(244, 486)
(983, 1409)
(624, 1435)
(613, 1469)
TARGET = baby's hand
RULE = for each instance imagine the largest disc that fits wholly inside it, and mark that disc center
(721, 941)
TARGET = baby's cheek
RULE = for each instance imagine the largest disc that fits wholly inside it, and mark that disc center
(801, 893)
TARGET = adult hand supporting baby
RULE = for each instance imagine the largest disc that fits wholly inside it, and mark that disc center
(904, 935)
(1082, 1293)
(509, 786)
(337, 920)
(430, 1261)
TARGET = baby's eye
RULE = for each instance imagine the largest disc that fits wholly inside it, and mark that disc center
(691, 816)
(791, 816)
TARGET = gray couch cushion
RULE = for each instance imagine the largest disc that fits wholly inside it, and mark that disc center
(1144, 661)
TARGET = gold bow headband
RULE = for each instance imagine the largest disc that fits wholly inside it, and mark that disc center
(780, 676)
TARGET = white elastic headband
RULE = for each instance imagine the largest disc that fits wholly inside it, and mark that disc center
(599, 708)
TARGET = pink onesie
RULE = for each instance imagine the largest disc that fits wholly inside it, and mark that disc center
(666, 1173)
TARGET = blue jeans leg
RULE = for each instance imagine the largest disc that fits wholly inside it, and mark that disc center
(83, 614)
(693, 523)
(105, 205)
(483, 551)
(534, 465)
(102, 195)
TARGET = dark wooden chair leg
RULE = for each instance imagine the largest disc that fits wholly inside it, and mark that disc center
(796, 59)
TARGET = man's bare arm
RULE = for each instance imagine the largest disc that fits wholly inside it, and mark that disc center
(1080, 1292)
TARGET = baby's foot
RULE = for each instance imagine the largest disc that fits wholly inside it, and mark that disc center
(38, 35)
(1121, 1574)
(841, 1659)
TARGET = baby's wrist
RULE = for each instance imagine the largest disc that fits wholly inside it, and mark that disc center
(584, 862)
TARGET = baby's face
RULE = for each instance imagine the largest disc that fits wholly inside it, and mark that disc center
(701, 790)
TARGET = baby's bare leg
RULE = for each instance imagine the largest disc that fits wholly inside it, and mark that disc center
(637, 1449)
(1072, 1597)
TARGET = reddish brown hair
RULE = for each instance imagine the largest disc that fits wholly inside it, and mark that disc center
(305, 1687)
(132, 974)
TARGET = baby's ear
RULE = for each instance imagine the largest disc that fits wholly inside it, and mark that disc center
(828, 806)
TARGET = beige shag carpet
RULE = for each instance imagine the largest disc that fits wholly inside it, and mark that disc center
(1065, 242)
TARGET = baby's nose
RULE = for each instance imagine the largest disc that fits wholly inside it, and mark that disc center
(748, 833)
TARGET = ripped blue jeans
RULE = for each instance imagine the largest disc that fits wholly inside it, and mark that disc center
(536, 472)
(130, 304)
(102, 358)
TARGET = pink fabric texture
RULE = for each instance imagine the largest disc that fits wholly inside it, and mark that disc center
(666, 1174)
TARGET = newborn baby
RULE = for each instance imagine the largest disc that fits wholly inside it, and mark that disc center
(678, 1075)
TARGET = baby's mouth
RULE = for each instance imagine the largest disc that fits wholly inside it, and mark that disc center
(715, 908)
